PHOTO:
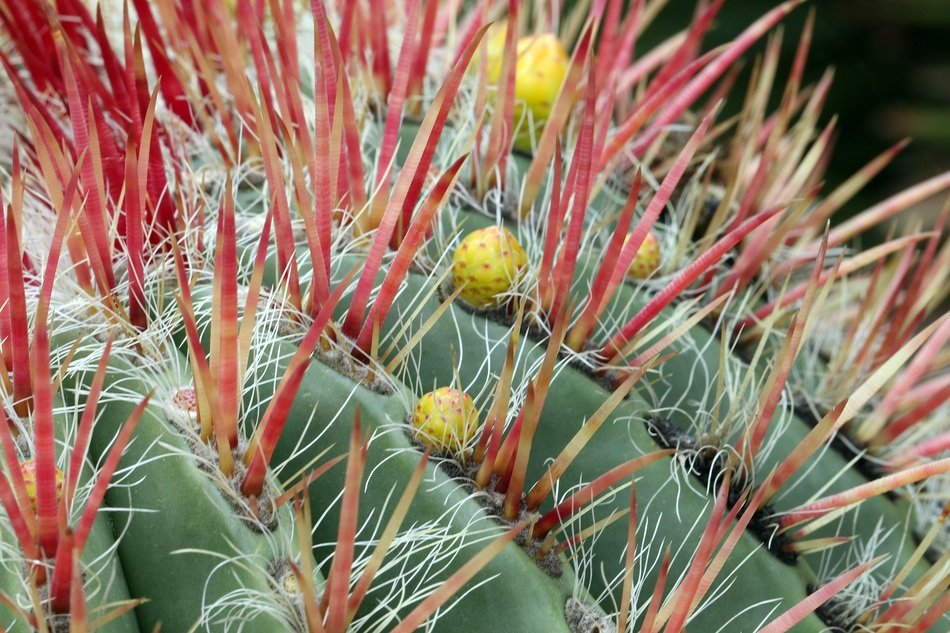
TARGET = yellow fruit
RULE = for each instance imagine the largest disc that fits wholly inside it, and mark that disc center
(28, 469)
(445, 420)
(647, 260)
(539, 72)
(489, 263)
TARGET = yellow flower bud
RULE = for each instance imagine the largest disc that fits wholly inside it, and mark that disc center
(542, 65)
(647, 260)
(28, 470)
(489, 263)
(539, 72)
(445, 420)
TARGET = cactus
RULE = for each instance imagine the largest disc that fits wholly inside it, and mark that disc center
(370, 316)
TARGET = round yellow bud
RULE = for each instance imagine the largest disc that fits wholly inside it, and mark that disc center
(539, 73)
(540, 69)
(445, 419)
(648, 258)
(28, 470)
(488, 262)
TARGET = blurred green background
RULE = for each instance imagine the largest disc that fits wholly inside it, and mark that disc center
(892, 80)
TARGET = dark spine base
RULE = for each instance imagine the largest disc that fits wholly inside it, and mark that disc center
(932, 555)
(266, 519)
(840, 443)
(708, 471)
(833, 613)
(836, 615)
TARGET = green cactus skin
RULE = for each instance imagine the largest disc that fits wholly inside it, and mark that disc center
(573, 397)
(827, 470)
(106, 587)
(321, 419)
(109, 572)
(571, 400)
(101, 540)
(10, 582)
(183, 545)
(823, 469)
(818, 472)
(523, 597)
(105, 583)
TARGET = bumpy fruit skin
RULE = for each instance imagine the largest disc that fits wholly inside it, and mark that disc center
(28, 469)
(445, 420)
(488, 262)
(647, 260)
(539, 72)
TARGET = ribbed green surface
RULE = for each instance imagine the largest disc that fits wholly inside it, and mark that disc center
(183, 545)
(683, 388)
(661, 488)
(512, 593)
(104, 582)
(11, 586)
